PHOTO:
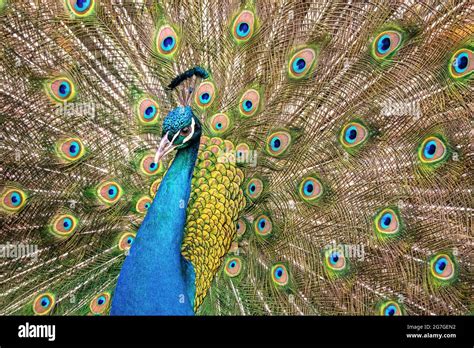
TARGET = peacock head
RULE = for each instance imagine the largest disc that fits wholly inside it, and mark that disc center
(181, 128)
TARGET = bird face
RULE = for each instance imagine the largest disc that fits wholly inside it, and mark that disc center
(180, 129)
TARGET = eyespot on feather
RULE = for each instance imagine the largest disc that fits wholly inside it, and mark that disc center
(432, 150)
(205, 94)
(249, 103)
(386, 44)
(280, 275)
(60, 90)
(167, 41)
(233, 267)
(278, 143)
(126, 240)
(63, 225)
(100, 303)
(148, 111)
(301, 63)
(44, 303)
(243, 26)
(13, 199)
(81, 8)
(263, 225)
(70, 149)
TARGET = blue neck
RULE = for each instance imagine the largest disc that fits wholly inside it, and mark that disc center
(155, 279)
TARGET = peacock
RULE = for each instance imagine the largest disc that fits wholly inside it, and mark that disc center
(236, 157)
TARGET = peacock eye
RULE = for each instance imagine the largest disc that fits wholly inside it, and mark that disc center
(233, 267)
(81, 8)
(220, 123)
(13, 199)
(387, 222)
(70, 149)
(126, 240)
(390, 308)
(148, 111)
(61, 90)
(109, 192)
(166, 41)
(462, 63)
(205, 94)
(249, 102)
(277, 143)
(310, 189)
(143, 204)
(335, 260)
(185, 131)
(386, 43)
(432, 150)
(442, 267)
(241, 227)
(263, 226)
(254, 188)
(43, 304)
(280, 275)
(63, 225)
(243, 26)
(353, 134)
(301, 63)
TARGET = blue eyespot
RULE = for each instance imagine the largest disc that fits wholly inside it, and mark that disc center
(461, 62)
(441, 265)
(64, 89)
(430, 149)
(275, 143)
(129, 240)
(15, 199)
(383, 45)
(219, 125)
(205, 98)
(101, 300)
(74, 148)
(150, 112)
(261, 223)
(390, 310)
(147, 205)
(351, 134)
(386, 220)
(243, 29)
(153, 165)
(168, 43)
(82, 5)
(112, 191)
(299, 65)
(252, 188)
(45, 301)
(308, 188)
(334, 258)
(248, 105)
(278, 272)
(67, 224)
(232, 264)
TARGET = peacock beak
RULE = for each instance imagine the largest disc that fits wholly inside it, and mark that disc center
(166, 146)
